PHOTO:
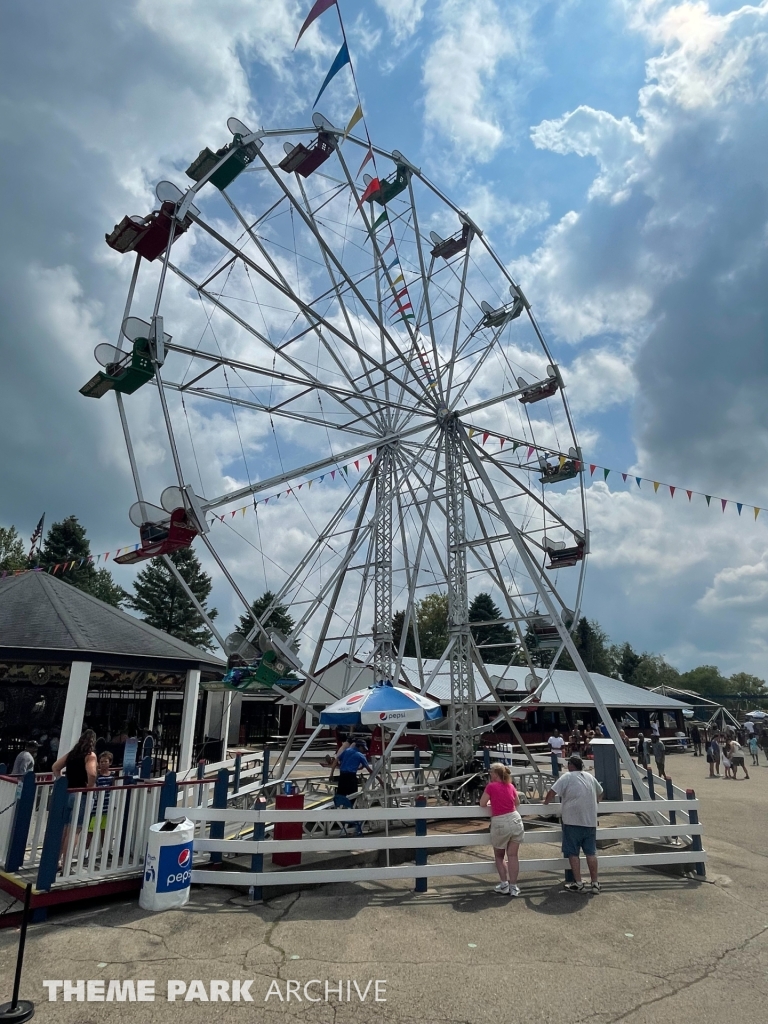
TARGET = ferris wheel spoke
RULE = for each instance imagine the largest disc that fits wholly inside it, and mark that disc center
(350, 283)
(426, 278)
(283, 280)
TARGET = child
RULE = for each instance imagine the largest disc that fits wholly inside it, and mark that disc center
(726, 750)
(753, 748)
(104, 778)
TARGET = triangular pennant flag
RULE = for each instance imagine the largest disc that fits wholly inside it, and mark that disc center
(399, 295)
(135, 547)
(516, 445)
(242, 511)
(357, 116)
(381, 219)
(605, 473)
(82, 559)
(233, 513)
(301, 485)
(370, 459)
(98, 559)
(55, 568)
(116, 553)
(395, 261)
(345, 470)
(739, 507)
(342, 58)
(757, 511)
(485, 436)
(709, 498)
(320, 7)
(592, 468)
(309, 484)
(531, 450)
(656, 486)
(399, 277)
(368, 156)
(639, 480)
(357, 465)
(723, 502)
(403, 307)
(671, 491)
(322, 478)
(391, 242)
(289, 491)
(373, 186)
(690, 494)
(471, 431)
(624, 477)
(333, 474)
(106, 556)
(501, 442)
(266, 501)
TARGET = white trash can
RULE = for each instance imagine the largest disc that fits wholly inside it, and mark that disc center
(167, 865)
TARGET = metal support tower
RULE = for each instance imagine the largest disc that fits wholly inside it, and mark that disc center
(382, 592)
(462, 678)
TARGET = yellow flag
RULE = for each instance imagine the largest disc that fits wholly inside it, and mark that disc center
(757, 512)
(655, 486)
(242, 510)
(357, 116)
(398, 279)
(563, 461)
(471, 431)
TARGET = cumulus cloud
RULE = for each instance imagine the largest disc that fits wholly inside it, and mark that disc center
(403, 16)
(474, 39)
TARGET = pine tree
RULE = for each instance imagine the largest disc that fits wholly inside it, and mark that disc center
(483, 609)
(67, 542)
(280, 618)
(12, 553)
(591, 642)
(162, 602)
(432, 620)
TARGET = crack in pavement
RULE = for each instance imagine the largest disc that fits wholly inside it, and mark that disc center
(709, 968)
(267, 940)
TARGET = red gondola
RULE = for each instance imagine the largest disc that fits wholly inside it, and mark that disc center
(162, 538)
(304, 160)
(561, 557)
(148, 236)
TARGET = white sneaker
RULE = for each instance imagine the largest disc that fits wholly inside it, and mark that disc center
(514, 890)
(502, 887)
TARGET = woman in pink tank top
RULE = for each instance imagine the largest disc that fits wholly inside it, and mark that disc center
(506, 827)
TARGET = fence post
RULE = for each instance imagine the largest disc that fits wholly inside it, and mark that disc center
(671, 796)
(54, 829)
(238, 766)
(220, 791)
(169, 795)
(696, 846)
(265, 767)
(22, 816)
(649, 777)
(146, 767)
(257, 859)
(421, 855)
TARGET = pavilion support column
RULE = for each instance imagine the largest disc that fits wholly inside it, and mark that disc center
(74, 708)
(188, 716)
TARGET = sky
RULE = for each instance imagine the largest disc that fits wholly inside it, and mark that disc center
(613, 152)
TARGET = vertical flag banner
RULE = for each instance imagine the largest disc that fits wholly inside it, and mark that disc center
(342, 58)
(319, 8)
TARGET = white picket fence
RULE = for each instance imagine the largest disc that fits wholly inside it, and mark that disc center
(436, 842)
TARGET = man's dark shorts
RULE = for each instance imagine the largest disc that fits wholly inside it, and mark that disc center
(579, 837)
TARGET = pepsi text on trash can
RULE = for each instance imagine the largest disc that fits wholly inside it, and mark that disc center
(174, 869)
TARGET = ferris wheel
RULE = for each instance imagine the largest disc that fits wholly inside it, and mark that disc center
(357, 323)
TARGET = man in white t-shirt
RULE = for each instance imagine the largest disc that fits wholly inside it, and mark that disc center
(556, 744)
(579, 793)
(25, 761)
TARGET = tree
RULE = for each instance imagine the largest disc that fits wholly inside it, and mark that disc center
(591, 642)
(164, 604)
(746, 685)
(67, 542)
(624, 661)
(490, 637)
(280, 618)
(652, 671)
(432, 621)
(12, 553)
(705, 679)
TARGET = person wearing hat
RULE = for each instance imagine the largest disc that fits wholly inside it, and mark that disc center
(579, 793)
(349, 763)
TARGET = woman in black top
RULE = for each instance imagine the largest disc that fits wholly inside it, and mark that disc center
(81, 769)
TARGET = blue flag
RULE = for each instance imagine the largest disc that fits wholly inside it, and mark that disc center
(342, 58)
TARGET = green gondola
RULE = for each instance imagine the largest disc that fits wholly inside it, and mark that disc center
(125, 375)
(392, 186)
(240, 157)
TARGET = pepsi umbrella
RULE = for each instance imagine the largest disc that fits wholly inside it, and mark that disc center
(382, 704)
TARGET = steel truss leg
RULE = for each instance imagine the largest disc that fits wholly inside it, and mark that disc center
(382, 591)
(463, 699)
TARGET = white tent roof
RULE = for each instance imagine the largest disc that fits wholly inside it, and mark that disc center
(565, 689)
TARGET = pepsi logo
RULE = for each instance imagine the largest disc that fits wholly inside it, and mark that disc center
(185, 856)
(383, 715)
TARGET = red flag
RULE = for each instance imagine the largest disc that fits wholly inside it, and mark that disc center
(671, 491)
(232, 513)
(106, 556)
(357, 465)
(592, 468)
(368, 156)
(320, 7)
(501, 442)
(399, 295)
(531, 450)
(485, 437)
(374, 186)
(370, 459)
(689, 493)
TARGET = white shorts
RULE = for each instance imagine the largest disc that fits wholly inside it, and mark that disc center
(506, 828)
